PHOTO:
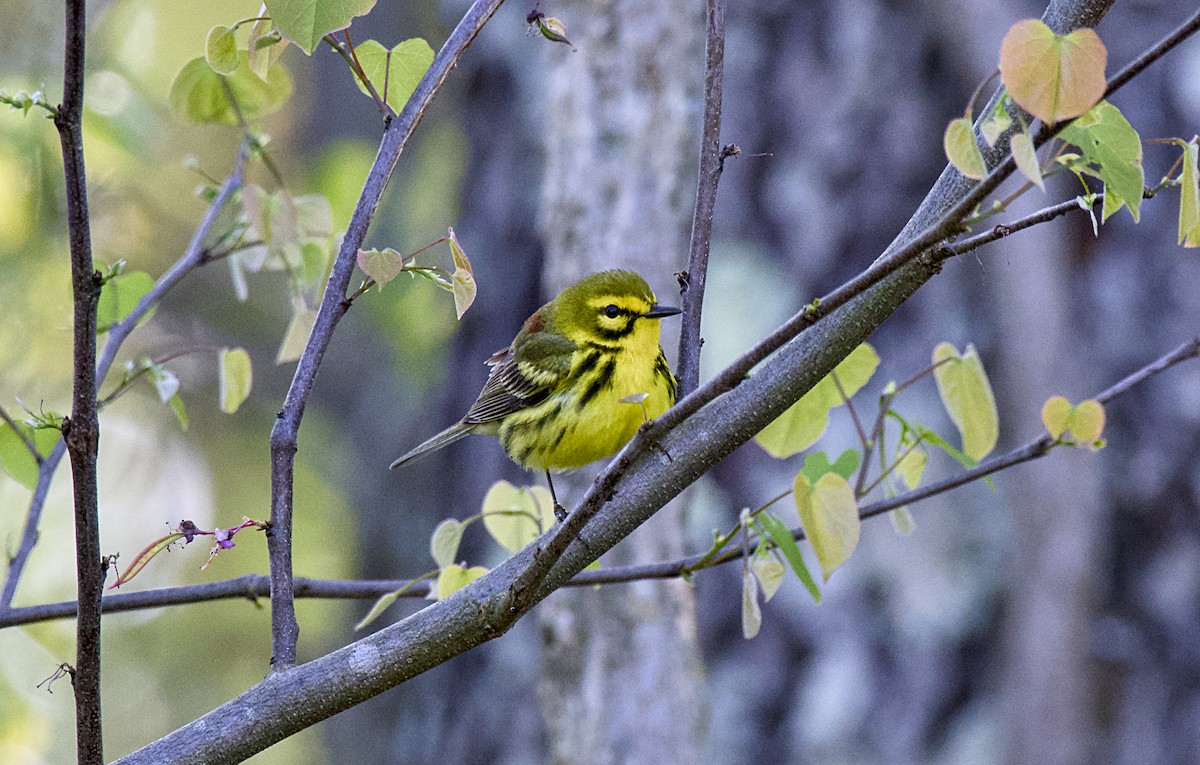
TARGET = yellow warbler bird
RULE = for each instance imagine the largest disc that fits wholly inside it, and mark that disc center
(554, 395)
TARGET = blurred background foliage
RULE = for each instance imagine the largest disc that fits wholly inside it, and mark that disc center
(1053, 620)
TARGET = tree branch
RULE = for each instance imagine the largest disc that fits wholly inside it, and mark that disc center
(285, 630)
(254, 586)
(712, 162)
(81, 430)
(630, 491)
(193, 257)
(250, 587)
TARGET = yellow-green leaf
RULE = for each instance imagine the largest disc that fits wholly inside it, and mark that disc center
(443, 545)
(296, 337)
(769, 571)
(263, 48)
(119, 296)
(384, 602)
(1189, 198)
(961, 149)
(1084, 420)
(805, 421)
(176, 404)
(1054, 77)
(553, 29)
(751, 612)
(997, 122)
(220, 50)
(800, 426)
(515, 516)
(911, 467)
(967, 396)
(381, 265)
(1112, 150)
(781, 535)
(199, 95)
(236, 378)
(829, 515)
(454, 577)
(15, 457)
(1026, 158)
(165, 382)
(1087, 420)
(1056, 413)
(463, 277)
(305, 22)
(396, 72)
(464, 290)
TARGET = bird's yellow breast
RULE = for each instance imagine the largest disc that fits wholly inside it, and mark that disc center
(584, 420)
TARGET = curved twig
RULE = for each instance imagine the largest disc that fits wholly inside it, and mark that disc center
(284, 629)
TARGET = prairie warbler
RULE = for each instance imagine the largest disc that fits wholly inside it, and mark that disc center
(554, 395)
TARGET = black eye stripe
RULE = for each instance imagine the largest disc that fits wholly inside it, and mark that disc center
(612, 311)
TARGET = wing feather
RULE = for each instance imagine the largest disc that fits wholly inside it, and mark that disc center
(523, 375)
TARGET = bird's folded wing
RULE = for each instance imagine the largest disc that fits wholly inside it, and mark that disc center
(522, 376)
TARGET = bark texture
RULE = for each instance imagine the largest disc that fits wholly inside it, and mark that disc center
(621, 678)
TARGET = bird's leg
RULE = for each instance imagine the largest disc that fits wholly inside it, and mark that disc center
(560, 512)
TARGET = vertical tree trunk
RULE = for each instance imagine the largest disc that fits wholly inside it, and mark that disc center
(1047, 670)
(621, 675)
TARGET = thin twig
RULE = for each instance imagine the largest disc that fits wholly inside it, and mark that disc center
(712, 162)
(1001, 230)
(29, 532)
(285, 630)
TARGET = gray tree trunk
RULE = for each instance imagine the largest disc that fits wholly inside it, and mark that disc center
(621, 679)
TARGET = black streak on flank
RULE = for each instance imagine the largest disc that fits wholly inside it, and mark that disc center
(602, 380)
(587, 365)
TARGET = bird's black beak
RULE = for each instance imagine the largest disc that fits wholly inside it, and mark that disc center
(659, 311)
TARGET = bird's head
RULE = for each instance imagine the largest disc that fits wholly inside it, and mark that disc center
(608, 308)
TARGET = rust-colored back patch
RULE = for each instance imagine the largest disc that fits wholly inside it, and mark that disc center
(535, 323)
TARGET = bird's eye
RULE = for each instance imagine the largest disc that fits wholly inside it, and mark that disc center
(611, 311)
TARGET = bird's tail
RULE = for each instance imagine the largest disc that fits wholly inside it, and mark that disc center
(447, 436)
